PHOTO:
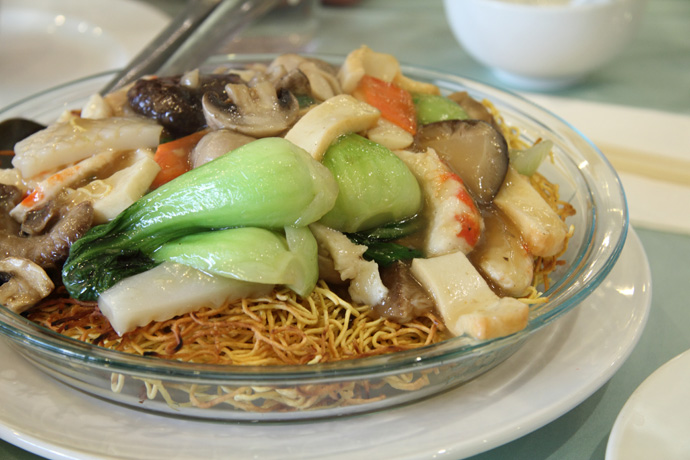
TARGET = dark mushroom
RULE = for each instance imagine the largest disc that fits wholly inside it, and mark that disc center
(47, 250)
(175, 106)
(257, 111)
(37, 220)
(406, 298)
(473, 149)
(215, 144)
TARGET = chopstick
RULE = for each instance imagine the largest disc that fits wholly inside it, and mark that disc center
(658, 167)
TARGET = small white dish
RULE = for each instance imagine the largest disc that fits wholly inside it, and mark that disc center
(44, 43)
(655, 421)
(543, 44)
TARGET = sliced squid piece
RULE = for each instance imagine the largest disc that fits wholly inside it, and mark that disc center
(112, 195)
(366, 286)
(341, 114)
(455, 223)
(49, 188)
(365, 61)
(543, 231)
(465, 301)
(63, 144)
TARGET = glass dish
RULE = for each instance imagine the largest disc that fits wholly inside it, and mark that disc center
(242, 393)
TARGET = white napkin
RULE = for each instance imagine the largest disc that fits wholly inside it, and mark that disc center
(659, 139)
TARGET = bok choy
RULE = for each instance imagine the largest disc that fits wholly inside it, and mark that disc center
(269, 183)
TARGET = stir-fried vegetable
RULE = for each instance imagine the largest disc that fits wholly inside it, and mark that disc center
(431, 108)
(247, 187)
(395, 103)
(376, 188)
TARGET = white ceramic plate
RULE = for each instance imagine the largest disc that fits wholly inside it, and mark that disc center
(655, 421)
(44, 43)
(557, 369)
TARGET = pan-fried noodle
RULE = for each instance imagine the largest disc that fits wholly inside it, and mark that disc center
(282, 329)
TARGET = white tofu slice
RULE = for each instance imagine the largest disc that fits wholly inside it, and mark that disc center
(465, 301)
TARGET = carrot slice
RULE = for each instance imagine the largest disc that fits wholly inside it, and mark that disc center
(173, 157)
(394, 103)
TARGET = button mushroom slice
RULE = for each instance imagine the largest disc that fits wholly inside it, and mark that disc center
(215, 144)
(24, 284)
(321, 76)
(259, 110)
(319, 127)
(474, 150)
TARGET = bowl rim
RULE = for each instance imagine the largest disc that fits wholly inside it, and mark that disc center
(32, 336)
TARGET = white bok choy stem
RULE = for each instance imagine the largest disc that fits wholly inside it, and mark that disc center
(168, 290)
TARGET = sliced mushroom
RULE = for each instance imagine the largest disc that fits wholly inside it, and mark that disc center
(36, 220)
(51, 248)
(258, 110)
(215, 144)
(475, 109)
(23, 284)
(406, 298)
(473, 149)
(173, 102)
(321, 76)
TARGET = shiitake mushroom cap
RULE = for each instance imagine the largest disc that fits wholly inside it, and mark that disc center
(474, 149)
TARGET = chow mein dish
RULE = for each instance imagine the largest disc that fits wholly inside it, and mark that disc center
(285, 213)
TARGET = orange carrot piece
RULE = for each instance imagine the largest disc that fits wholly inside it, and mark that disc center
(394, 103)
(173, 157)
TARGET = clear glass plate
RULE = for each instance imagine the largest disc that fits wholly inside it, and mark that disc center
(585, 179)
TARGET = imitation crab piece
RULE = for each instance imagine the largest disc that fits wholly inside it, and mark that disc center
(465, 301)
(455, 223)
(259, 110)
(342, 114)
(542, 230)
(63, 144)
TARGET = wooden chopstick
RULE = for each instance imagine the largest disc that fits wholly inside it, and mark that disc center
(658, 167)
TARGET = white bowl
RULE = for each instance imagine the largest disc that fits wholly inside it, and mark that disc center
(543, 44)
